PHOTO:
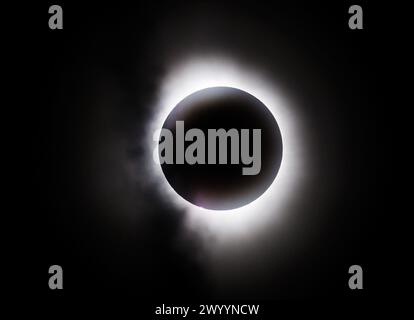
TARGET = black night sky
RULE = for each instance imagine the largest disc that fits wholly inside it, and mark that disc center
(92, 87)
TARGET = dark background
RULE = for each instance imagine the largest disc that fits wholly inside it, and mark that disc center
(115, 54)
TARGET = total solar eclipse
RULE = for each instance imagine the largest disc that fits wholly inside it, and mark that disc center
(238, 148)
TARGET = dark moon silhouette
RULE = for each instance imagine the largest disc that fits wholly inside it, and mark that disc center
(223, 186)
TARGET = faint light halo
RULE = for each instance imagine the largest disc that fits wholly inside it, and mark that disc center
(200, 73)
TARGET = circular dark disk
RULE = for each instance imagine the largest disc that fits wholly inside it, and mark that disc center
(223, 186)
